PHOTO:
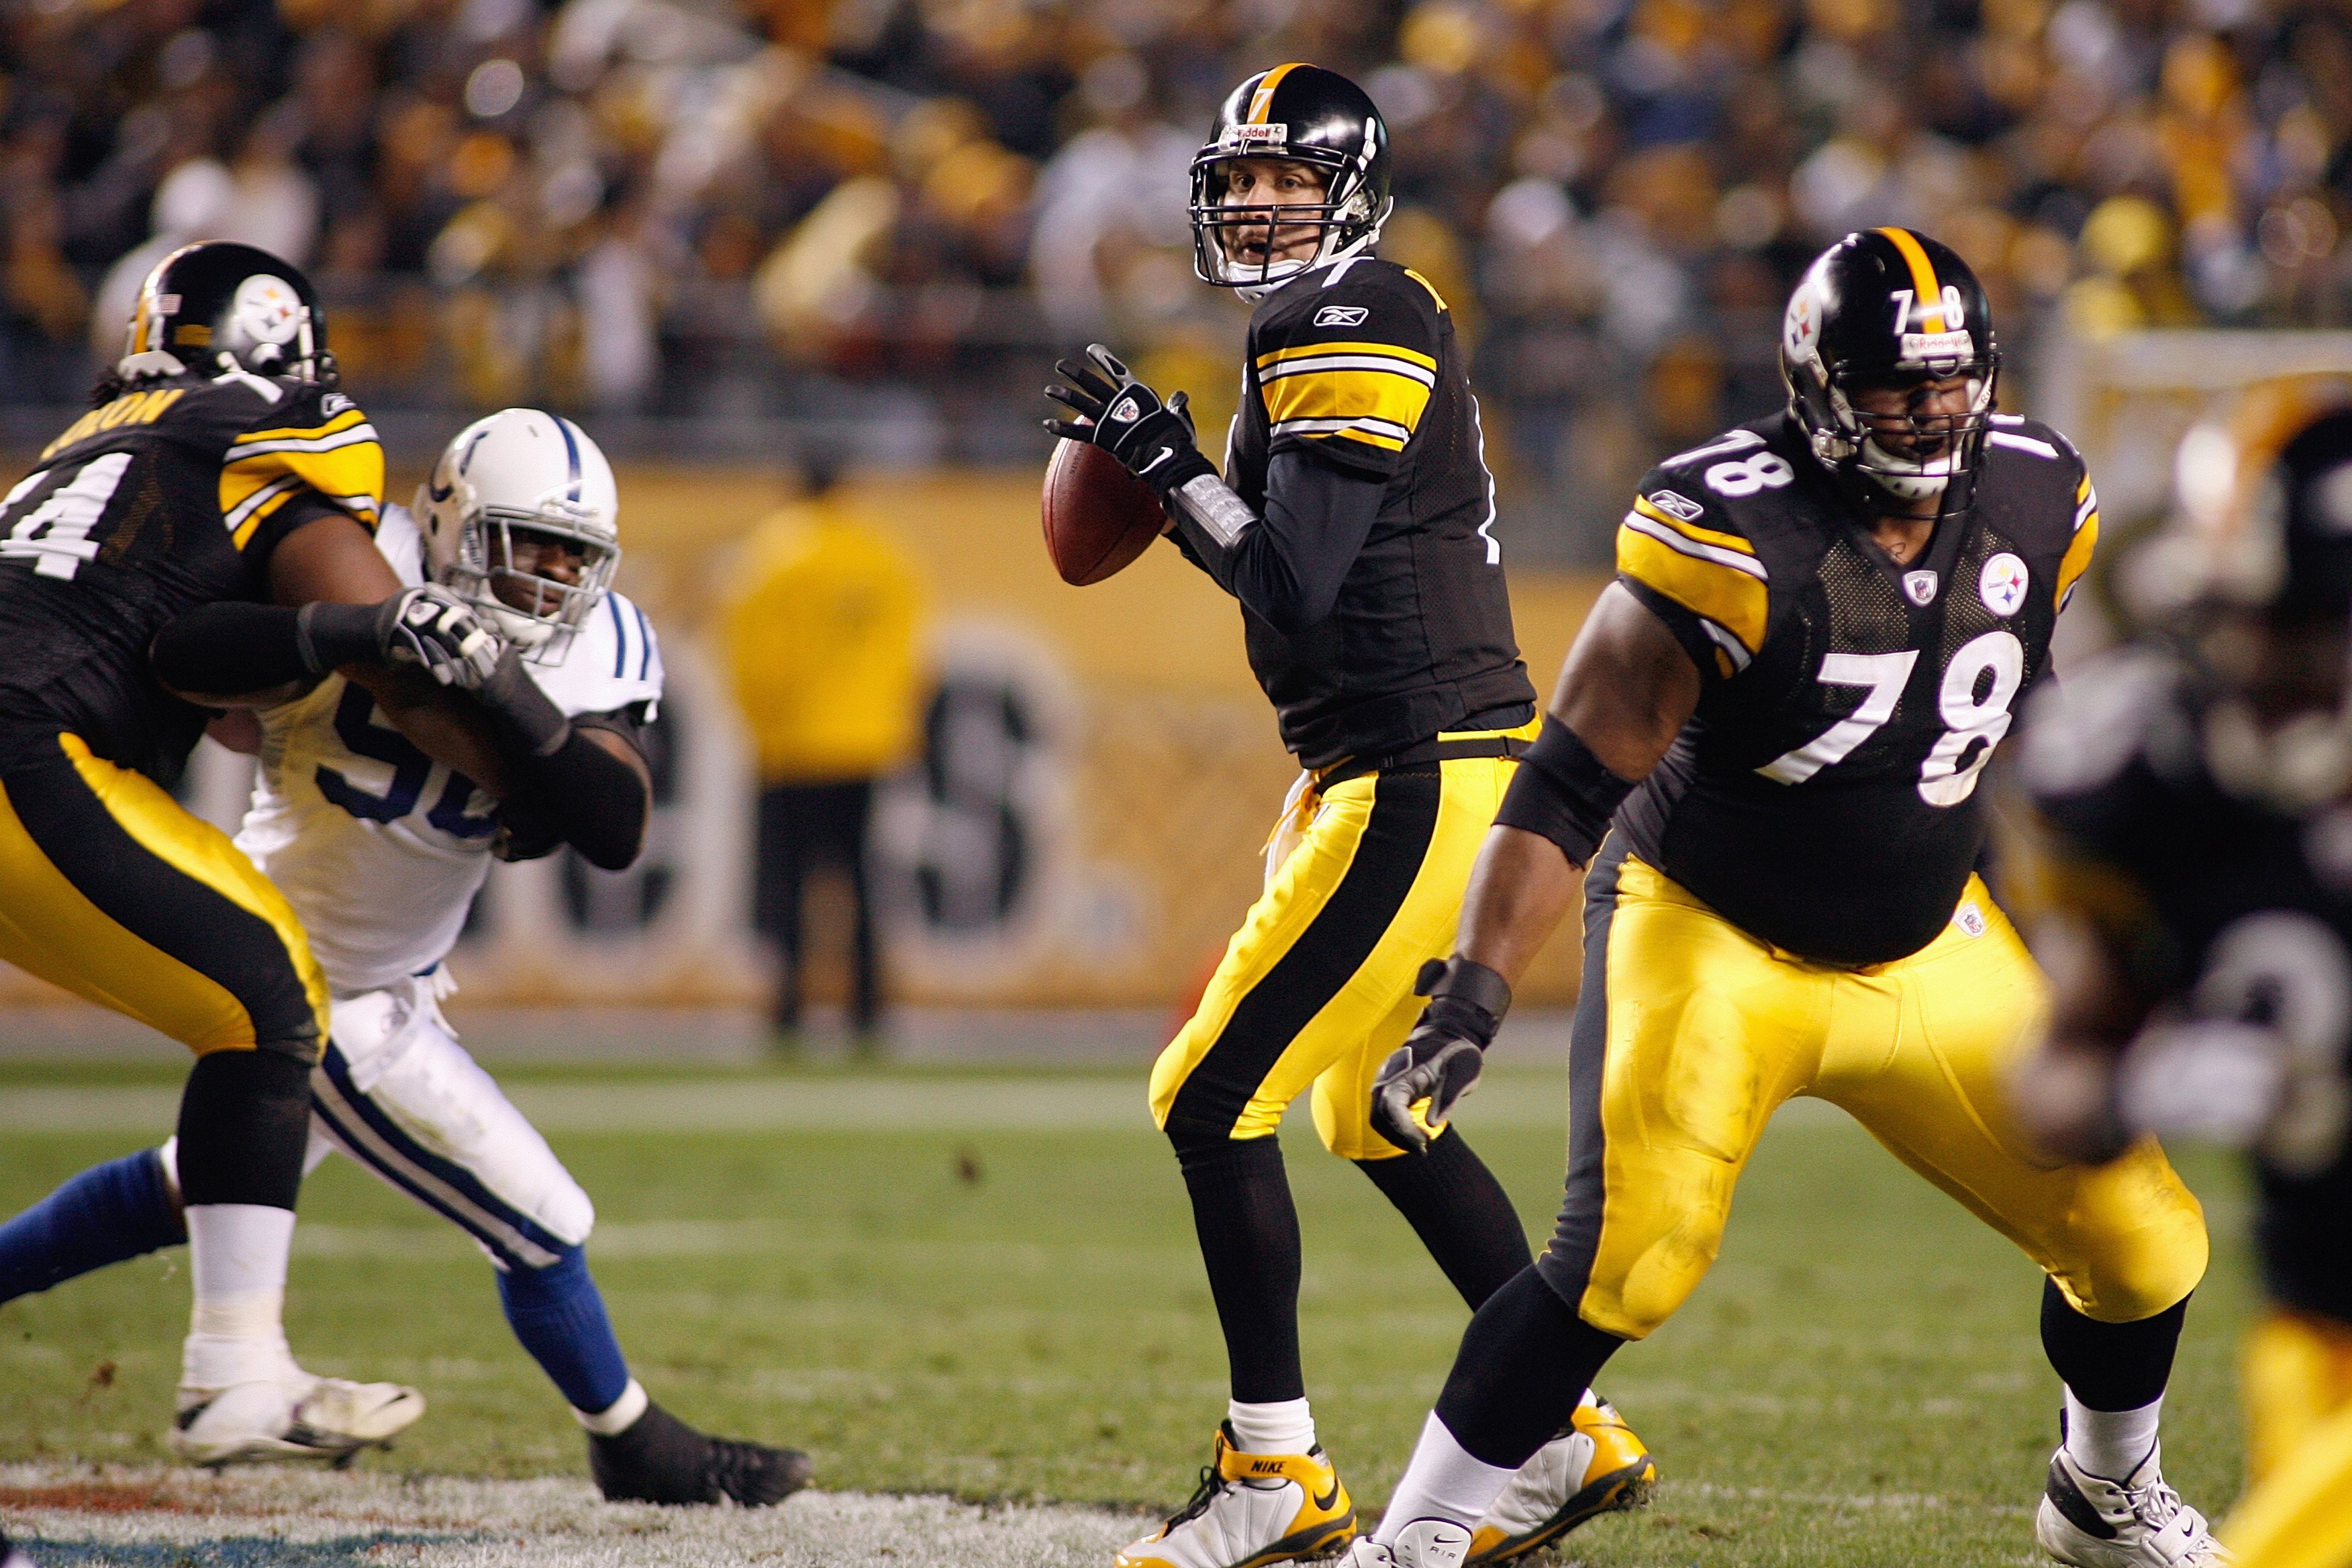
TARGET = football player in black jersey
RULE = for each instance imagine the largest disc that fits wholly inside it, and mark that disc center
(1354, 523)
(2191, 896)
(219, 463)
(1820, 626)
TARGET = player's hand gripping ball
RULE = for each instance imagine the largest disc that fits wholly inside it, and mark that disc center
(431, 628)
(1097, 518)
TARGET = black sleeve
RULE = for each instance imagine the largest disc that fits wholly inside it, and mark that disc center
(596, 801)
(229, 647)
(1288, 565)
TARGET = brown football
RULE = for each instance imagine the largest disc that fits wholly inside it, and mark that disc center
(1099, 517)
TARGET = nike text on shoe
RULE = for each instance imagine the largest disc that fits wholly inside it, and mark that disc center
(2138, 1522)
(1423, 1543)
(308, 1418)
(1252, 1509)
(659, 1458)
(1598, 1466)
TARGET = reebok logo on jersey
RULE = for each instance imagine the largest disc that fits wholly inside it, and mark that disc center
(1342, 315)
(2001, 585)
(1919, 587)
(1677, 506)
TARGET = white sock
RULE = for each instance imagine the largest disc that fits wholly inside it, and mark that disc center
(2111, 1444)
(1278, 1427)
(237, 1333)
(620, 1416)
(1442, 1480)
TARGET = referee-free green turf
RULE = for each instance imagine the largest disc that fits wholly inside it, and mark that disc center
(928, 1306)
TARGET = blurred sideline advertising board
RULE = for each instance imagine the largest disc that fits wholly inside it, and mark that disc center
(1085, 826)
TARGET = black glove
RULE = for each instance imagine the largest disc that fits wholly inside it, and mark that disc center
(429, 626)
(1127, 419)
(1439, 1062)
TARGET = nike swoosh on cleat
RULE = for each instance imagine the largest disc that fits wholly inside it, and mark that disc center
(1329, 1498)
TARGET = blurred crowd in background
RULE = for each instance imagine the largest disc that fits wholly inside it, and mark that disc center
(701, 217)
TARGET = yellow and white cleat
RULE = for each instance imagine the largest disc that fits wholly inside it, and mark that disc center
(1596, 1466)
(305, 1417)
(1252, 1509)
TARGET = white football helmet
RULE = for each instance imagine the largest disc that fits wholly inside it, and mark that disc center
(521, 472)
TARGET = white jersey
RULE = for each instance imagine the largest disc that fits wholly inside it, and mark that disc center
(380, 848)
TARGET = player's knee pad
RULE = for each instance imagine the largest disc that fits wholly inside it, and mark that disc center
(2131, 1266)
(244, 1118)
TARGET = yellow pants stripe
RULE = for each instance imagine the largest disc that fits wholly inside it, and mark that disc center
(116, 893)
(1692, 1033)
(1315, 989)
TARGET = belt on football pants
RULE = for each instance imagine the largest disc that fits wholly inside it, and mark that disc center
(1437, 751)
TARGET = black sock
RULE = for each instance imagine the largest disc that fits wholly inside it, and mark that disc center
(1460, 1212)
(1249, 1240)
(2110, 1366)
(1525, 1362)
(245, 1120)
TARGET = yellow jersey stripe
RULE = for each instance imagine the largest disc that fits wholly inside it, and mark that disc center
(1926, 294)
(2078, 559)
(258, 510)
(1650, 509)
(343, 421)
(1425, 283)
(349, 473)
(1709, 586)
(1374, 350)
(1390, 404)
(1262, 100)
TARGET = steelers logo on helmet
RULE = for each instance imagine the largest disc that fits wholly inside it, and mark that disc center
(218, 307)
(1890, 310)
(1300, 115)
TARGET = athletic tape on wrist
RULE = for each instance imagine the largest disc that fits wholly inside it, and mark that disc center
(1563, 793)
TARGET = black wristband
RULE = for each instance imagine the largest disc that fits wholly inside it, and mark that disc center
(1465, 998)
(522, 710)
(331, 636)
(1563, 793)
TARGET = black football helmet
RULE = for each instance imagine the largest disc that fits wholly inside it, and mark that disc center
(217, 306)
(1308, 115)
(1890, 306)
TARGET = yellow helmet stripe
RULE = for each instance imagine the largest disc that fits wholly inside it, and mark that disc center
(1262, 100)
(1928, 294)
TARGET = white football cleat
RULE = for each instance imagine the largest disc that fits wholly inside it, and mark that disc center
(1423, 1543)
(1598, 1466)
(1252, 1509)
(2090, 1522)
(303, 1417)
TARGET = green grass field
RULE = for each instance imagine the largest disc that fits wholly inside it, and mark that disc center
(945, 1302)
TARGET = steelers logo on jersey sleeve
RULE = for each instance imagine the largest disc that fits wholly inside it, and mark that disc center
(2001, 585)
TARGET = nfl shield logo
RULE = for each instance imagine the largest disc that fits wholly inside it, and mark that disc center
(1920, 587)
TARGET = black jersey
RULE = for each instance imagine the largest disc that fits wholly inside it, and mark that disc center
(1357, 364)
(1824, 796)
(2217, 908)
(165, 498)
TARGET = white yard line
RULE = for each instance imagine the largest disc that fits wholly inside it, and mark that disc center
(362, 1519)
(1519, 1099)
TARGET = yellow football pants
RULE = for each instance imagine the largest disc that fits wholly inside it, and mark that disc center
(109, 889)
(2298, 1511)
(1317, 986)
(1690, 1032)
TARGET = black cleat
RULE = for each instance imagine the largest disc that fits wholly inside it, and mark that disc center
(660, 1458)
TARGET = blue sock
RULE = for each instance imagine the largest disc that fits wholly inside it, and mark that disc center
(557, 1315)
(111, 1212)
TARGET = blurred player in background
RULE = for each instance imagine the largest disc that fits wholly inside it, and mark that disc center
(824, 646)
(381, 849)
(2191, 887)
(219, 468)
(1354, 524)
(1818, 625)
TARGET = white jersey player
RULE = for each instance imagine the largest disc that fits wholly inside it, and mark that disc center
(380, 850)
